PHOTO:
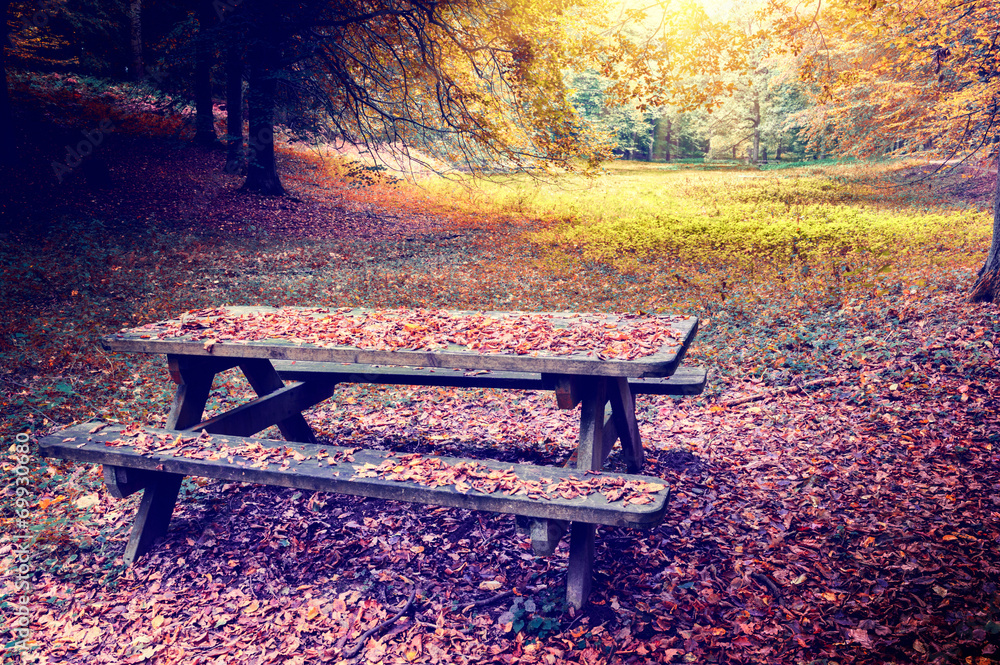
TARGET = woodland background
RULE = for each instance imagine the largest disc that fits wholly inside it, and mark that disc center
(834, 489)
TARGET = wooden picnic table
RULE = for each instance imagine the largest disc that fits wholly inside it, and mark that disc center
(598, 361)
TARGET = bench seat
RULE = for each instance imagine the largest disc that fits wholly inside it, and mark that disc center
(140, 459)
(685, 381)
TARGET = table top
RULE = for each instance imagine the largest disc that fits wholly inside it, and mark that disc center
(592, 344)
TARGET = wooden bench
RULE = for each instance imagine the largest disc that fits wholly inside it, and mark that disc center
(685, 381)
(156, 460)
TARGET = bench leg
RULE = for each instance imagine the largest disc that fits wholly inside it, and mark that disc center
(581, 563)
(151, 521)
(123, 482)
(265, 380)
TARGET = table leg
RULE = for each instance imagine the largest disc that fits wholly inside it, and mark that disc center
(193, 377)
(623, 414)
(265, 380)
(581, 563)
(590, 457)
(590, 449)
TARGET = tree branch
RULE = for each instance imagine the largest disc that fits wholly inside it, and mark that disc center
(784, 389)
(356, 649)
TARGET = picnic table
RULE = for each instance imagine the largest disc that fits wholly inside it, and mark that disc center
(597, 361)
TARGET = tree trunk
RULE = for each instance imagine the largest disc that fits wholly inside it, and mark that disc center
(204, 120)
(137, 70)
(755, 157)
(8, 149)
(262, 173)
(235, 157)
(668, 138)
(988, 280)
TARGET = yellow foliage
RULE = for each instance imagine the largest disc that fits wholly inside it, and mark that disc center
(897, 76)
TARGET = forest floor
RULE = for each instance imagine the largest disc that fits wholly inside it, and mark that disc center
(834, 490)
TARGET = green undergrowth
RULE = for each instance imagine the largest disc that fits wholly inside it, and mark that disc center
(804, 164)
(840, 224)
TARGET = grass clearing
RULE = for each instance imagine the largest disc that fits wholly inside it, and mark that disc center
(844, 222)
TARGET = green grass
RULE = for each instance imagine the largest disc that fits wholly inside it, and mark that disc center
(839, 222)
(805, 163)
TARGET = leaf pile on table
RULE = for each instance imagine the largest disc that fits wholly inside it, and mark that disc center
(609, 336)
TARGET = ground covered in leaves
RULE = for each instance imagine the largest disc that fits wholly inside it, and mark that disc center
(834, 490)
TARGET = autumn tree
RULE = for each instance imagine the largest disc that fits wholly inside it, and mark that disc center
(8, 153)
(467, 83)
(656, 134)
(53, 36)
(673, 54)
(762, 117)
(204, 132)
(904, 75)
(477, 83)
(664, 65)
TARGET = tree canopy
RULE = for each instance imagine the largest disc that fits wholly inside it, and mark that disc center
(902, 76)
(470, 83)
(922, 75)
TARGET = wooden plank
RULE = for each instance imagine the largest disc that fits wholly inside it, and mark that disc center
(123, 482)
(685, 381)
(409, 376)
(259, 414)
(569, 389)
(265, 380)
(308, 466)
(183, 366)
(662, 363)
